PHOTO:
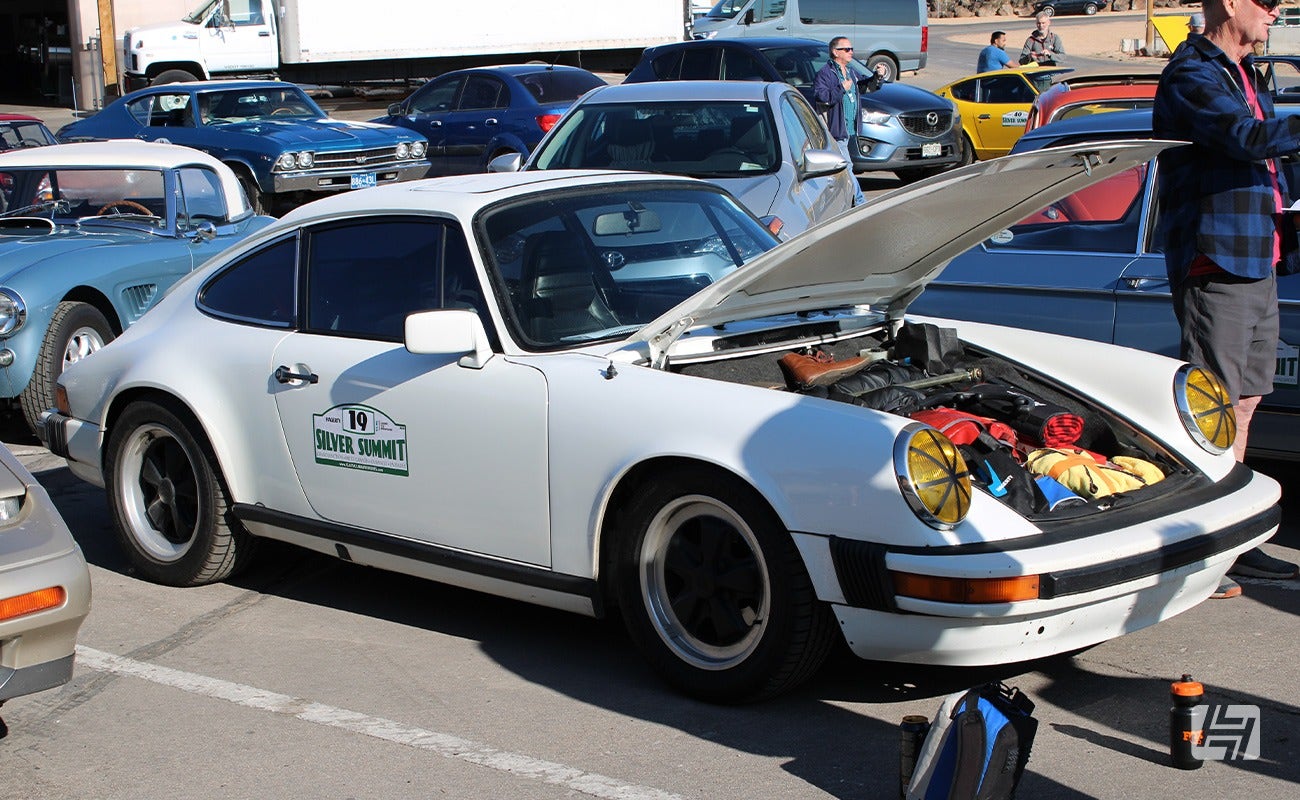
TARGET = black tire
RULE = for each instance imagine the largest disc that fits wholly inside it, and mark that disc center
(1048, 11)
(170, 504)
(1090, 9)
(257, 199)
(891, 66)
(173, 76)
(678, 538)
(967, 151)
(76, 330)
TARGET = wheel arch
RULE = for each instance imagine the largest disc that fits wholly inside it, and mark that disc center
(192, 67)
(99, 301)
(166, 399)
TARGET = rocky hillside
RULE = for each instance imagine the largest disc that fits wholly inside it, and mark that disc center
(1006, 8)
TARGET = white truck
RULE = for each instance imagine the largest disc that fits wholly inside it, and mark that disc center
(347, 41)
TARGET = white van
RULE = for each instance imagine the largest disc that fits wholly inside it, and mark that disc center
(892, 32)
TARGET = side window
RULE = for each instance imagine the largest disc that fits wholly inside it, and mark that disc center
(436, 97)
(164, 111)
(794, 131)
(259, 289)
(246, 12)
(141, 109)
(364, 278)
(201, 197)
(737, 65)
(667, 66)
(482, 92)
(818, 137)
(1006, 89)
(699, 65)
(1102, 218)
(772, 9)
(965, 91)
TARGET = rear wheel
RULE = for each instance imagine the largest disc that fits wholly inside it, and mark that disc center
(1090, 9)
(891, 66)
(169, 501)
(174, 76)
(1048, 11)
(713, 591)
(76, 330)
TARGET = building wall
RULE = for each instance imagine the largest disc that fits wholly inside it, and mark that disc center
(83, 16)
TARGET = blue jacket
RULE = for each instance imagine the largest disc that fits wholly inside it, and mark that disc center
(1215, 194)
(829, 91)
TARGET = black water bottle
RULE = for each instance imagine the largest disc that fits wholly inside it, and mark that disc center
(1186, 694)
(912, 733)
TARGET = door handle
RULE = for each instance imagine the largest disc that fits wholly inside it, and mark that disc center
(984, 116)
(1134, 283)
(490, 121)
(264, 34)
(283, 375)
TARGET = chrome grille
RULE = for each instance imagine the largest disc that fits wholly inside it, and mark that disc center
(370, 158)
(926, 123)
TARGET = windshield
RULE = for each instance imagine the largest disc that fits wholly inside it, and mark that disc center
(71, 195)
(201, 12)
(713, 139)
(727, 9)
(248, 105)
(595, 264)
(550, 86)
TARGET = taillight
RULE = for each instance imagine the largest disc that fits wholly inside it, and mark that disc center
(547, 121)
(925, 38)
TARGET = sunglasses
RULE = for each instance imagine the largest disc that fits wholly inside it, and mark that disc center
(1267, 5)
(850, 49)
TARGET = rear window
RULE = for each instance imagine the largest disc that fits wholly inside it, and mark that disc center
(559, 87)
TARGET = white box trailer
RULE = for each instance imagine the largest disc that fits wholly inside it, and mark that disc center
(344, 41)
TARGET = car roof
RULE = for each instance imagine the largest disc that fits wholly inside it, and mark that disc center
(14, 117)
(464, 195)
(749, 43)
(519, 69)
(115, 153)
(221, 84)
(659, 91)
(1126, 124)
(1030, 69)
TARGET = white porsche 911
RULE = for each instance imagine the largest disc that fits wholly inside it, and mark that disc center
(567, 388)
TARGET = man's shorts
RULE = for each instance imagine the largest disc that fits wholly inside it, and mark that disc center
(1230, 325)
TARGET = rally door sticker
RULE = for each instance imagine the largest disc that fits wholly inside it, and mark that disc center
(1015, 119)
(1288, 358)
(360, 437)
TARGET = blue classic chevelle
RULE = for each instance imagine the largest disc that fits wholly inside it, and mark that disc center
(91, 235)
(1090, 266)
(276, 139)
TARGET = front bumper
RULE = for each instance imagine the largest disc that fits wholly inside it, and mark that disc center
(1093, 587)
(36, 650)
(338, 180)
(875, 154)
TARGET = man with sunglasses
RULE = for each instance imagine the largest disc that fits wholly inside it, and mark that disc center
(837, 87)
(1223, 226)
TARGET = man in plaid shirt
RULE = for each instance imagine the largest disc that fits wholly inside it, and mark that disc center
(1223, 224)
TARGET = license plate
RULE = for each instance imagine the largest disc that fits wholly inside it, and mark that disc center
(364, 180)
(931, 150)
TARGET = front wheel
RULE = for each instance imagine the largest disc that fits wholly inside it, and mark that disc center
(1048, 11)
(1090, 9)
(967, 151)
(173, 76)
(76, 331)
(257, 199)
(713, 591)
(169, 501)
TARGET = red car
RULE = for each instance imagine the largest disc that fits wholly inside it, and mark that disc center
(1077, 95)
(22, 130)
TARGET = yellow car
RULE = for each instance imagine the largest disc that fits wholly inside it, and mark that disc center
(994, 107)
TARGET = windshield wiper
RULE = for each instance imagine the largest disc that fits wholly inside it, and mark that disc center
(44, 205)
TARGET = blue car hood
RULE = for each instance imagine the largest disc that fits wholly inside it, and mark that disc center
(319, 132)
(899, 97)
(17, 253)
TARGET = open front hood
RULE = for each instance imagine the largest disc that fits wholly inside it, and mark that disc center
(884, 253)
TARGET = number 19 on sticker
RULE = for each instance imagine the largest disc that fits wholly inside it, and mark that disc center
(356, 420)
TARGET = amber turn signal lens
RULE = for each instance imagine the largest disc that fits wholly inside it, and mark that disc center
(30, 603)
(965, 590)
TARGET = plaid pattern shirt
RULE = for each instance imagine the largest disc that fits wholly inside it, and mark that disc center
(1216, 194)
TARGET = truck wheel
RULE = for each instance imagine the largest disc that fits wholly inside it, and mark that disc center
(169, 501)
(257, 200)
(713, 591)
(173, 76)
(891, 67)
(76, 330)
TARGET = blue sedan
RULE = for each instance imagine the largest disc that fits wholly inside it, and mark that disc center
(471, 116)
(1089, 266)
(276, 139)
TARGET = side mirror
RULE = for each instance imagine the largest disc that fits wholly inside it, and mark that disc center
(448, 331)
(205, 231)
(822, 162)
(395, 110)
(748, 19)
(506, 162)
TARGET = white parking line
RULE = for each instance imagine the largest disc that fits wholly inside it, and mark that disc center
(588, 783)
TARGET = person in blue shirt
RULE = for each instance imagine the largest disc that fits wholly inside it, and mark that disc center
(837, 86)
(1223, 225)
(995, 55)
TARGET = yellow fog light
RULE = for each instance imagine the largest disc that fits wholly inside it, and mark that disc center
(1205, 408)
(932, 476)
(965, 590)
